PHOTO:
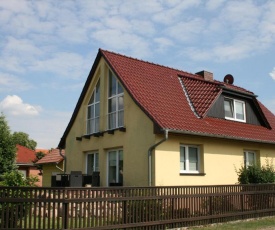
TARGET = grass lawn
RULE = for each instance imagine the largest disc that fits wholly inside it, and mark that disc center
(263, 223)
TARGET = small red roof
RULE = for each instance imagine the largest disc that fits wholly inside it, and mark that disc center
(25, 155)
(178, 101)
(52, 157)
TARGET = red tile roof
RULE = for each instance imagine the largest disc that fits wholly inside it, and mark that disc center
(25, 155)
(52, 157)
(177, 100)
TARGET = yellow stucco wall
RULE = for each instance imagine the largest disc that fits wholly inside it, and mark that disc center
(219, 160)
(134, 142)
(48, 169)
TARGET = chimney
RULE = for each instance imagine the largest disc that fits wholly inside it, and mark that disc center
(208, 76)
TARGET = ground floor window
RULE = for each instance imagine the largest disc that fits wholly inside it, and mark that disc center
(189, 159)
(249, 158)
(92, 163)
(115, 168)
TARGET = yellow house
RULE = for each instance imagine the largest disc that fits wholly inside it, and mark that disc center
(139, 124)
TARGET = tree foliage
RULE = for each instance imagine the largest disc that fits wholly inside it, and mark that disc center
(7, 147)
(16, 178)
(257, 174)
(23, 139)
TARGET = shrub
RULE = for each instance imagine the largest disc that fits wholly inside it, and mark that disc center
(16, 178)
(256, 174)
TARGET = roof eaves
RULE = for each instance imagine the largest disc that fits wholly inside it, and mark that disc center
(219, 136)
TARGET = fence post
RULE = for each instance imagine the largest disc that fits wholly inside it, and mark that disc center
(211, 208)
(242, 204)
(65, 215)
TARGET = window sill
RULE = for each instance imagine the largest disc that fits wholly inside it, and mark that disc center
(192, 174)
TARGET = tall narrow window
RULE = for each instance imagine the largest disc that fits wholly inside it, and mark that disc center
(234, 109)
(189, 159)
(115, 167)
(92, 163)
(115, 103)
(93, 111)
(249, 158)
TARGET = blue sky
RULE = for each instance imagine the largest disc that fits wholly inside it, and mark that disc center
(47, 49)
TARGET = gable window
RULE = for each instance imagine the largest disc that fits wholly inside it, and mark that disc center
(234, 109)
(92, 163)
(115, 103)
(189, 159)
(93, 111)
(115, 167)
(249, 158)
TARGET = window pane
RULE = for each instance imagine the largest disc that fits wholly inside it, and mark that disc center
(121, 118)
(89, 126)
(91, 99)
(239, 110)
(89, 115)
(119, 88)
(96, 162)
(228, 108)
(97, 110)
(112, 84)
(182, 158)
(90, 161)
(120, 103)
(97, 92)
(112, 120)
(250, 158)
(112, 104)
(193, 159)
(120, 174)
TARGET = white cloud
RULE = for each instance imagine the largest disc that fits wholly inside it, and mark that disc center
(272, 74)
(15, 106)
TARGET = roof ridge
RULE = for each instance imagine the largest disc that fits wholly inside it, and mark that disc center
(147, 62)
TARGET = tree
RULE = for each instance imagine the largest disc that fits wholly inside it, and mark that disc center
(23, 139)
(7, 147)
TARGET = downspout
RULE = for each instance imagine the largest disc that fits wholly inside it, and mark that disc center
(150, 150)
(64, 157)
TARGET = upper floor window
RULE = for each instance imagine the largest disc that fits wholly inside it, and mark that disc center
(249, 158)
(115, 103)
(93, 111)
(234, 109)
(189, 159)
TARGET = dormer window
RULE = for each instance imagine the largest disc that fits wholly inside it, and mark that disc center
(93, 111)
(115, 103)
(234, 109)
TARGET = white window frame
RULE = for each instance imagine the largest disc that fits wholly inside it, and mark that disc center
(117, 151)
(246, 152)
(93, 121)
(117, 116)
(234, 101)
(187, 163)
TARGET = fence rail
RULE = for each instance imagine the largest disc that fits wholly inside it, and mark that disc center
(132, 207)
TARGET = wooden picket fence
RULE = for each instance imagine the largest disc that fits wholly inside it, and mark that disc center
(132, 207)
